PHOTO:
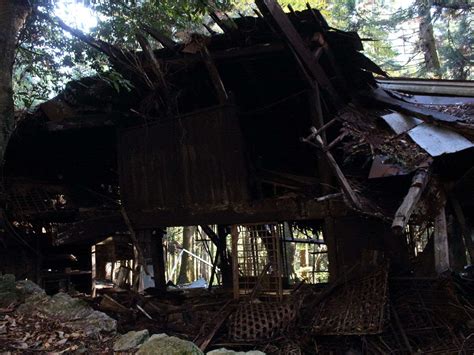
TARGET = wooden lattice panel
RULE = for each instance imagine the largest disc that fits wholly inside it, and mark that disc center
(355, 308)
(257, 260)
(260, 321)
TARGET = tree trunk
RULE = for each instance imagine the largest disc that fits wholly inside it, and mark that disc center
(186, 262)
(426, 38)
(13, 14)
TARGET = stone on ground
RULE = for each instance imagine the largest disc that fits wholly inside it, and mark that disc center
(224, 351)
(131, 340)
(162, 344)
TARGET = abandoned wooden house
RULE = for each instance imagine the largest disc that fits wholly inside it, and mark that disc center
(274, 125)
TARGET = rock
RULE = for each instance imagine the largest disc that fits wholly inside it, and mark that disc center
(162, 344)
(224, 351)
(27, 288)
(7, 282)
(131, 340)
(8, 293)
(72, 311)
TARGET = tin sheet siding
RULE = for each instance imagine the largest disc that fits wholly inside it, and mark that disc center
(194, 161)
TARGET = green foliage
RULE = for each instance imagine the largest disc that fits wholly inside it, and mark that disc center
(456, 41)
(47, 57)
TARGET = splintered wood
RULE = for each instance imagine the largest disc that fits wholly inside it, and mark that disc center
(356, 307)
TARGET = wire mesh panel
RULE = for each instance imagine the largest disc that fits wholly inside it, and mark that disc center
(257, 260)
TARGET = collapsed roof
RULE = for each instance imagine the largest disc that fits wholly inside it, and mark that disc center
(278, 118)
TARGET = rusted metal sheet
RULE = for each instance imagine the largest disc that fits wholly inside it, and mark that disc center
(196, 160)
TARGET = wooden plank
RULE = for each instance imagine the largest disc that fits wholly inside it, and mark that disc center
(441, 248)
(402, 216)
(272, 8)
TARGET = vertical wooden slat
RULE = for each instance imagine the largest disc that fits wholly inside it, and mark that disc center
(441, 250)
(235, 262)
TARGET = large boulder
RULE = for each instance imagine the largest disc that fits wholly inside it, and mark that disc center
(131, 340)
(162, 344)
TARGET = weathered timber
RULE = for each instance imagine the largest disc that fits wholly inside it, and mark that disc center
(466, 230)
(140, 256)
(214, 75)
(273, 9)
(281, 209)
(235, 267)
(218, 321)
(402, 216)
(160, 37)
(441, 248)
(155, 65)
(346, 187)
(336, 141)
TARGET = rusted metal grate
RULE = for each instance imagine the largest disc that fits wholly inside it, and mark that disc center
(257, 260)
(355, 308)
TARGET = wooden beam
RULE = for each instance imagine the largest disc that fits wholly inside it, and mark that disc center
(155, 64)
(272, 8)
(343, 182)
(160, 37)
(211, 234)
(441, 247)
(215, 77)
(418, 184)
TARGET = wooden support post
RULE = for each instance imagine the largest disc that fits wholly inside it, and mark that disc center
(235, 266)
(158, 259)
(457, 249)
(441, 248)
(329, 236)
(418, 184)
(466, 230)
(139, 251)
